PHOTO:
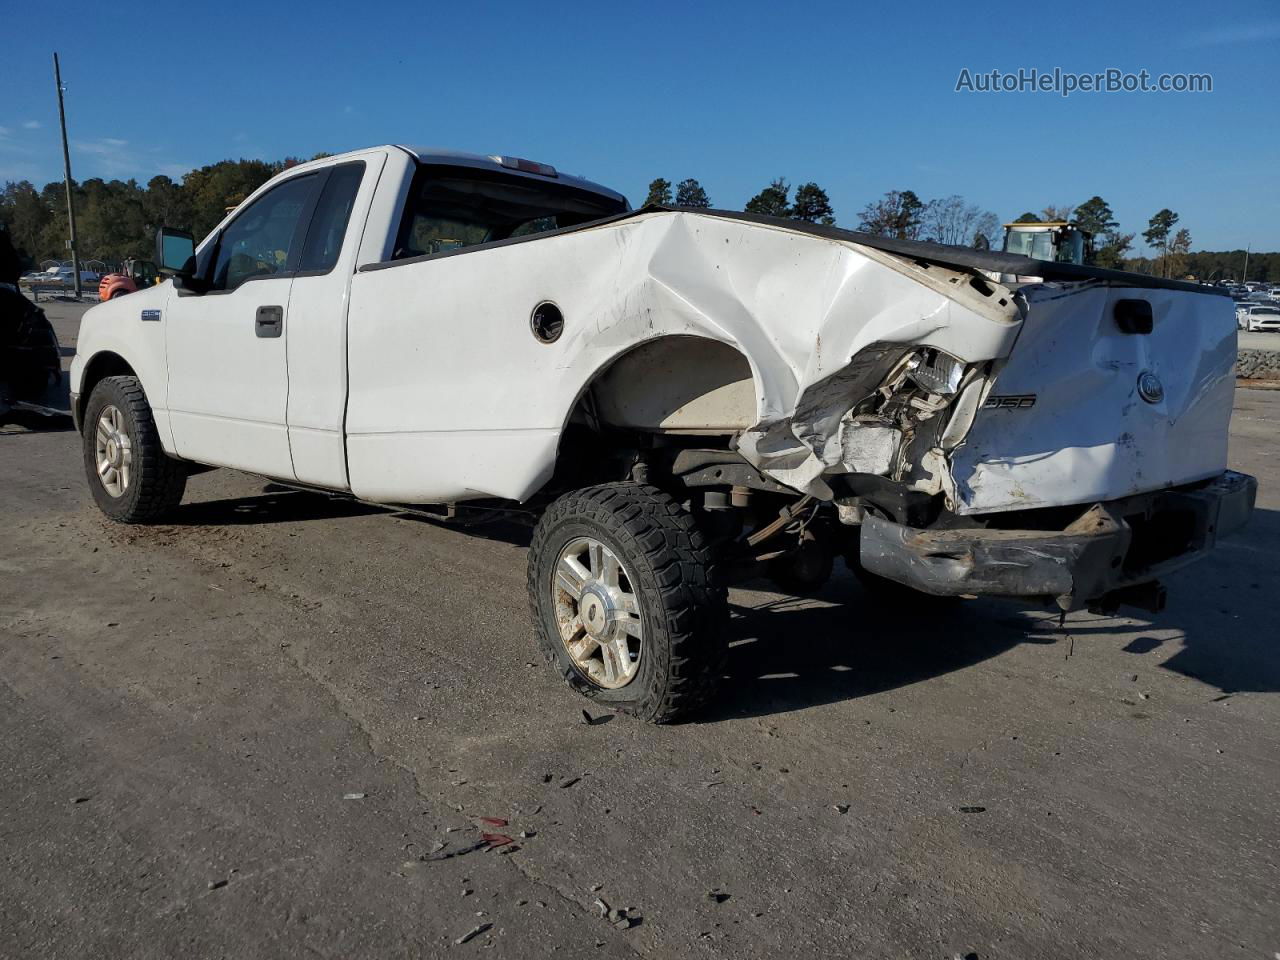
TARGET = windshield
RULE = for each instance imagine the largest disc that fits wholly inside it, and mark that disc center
(451, 207)
(1037, 244)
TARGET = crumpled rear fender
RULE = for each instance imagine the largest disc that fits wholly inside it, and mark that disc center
(821, 321)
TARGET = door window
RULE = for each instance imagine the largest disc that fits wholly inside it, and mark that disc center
(258, 241)
(329, 223)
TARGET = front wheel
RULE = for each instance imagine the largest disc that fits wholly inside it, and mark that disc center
(624, 603)
(133, 480)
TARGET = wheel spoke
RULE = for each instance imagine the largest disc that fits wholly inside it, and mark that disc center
(571, 628)
(124, 476)
(595, 552)
(632, 627)
(613, 668)
(628, 603)
(582, 648)
(609, 568)
(622, 650)
(102, 434)
(103, 467)
(570, 576)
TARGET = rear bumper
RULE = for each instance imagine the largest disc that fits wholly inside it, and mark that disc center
(1112, 553)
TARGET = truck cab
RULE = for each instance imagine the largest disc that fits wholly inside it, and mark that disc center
(1057, 241)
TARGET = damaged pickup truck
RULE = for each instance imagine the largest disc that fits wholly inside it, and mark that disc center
(683, 398)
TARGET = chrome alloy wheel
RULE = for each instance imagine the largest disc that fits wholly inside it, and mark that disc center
(598, 613)
(113, 451)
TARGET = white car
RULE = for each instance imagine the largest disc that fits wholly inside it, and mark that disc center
(1262, 317)
(66, 276)
(682, 398)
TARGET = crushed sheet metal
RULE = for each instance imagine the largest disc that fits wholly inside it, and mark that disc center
(821, 319)
(1089, 436)
(799, 307)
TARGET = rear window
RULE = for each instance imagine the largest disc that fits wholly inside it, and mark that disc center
(451, 207)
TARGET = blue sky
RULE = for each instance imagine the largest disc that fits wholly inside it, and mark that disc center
(858, 97)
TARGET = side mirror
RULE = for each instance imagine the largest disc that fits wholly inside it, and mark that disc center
(175, 251)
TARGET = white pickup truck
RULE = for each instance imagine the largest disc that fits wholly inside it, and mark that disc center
(685, 398)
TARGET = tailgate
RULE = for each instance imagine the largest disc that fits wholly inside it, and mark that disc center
(1065, 421)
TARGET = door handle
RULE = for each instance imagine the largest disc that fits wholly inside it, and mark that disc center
(269, 322)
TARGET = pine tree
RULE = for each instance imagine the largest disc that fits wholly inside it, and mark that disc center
(772, 201)
(659, 193)
(690, 194)
(812, 204)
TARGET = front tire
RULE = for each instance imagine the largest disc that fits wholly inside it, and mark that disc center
(132, 479)
(624, 603)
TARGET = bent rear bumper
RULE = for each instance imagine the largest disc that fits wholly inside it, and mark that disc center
(1098, 560)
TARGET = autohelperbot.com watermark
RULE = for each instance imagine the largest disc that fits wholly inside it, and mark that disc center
(1065, 82)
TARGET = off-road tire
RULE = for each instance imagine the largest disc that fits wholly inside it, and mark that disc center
(683, 608)
(157, 481)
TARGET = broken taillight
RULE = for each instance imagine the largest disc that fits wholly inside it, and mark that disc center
(936, 372)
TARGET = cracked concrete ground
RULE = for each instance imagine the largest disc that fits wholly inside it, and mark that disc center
(185, 709)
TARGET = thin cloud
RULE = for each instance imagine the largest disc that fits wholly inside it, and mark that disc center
(104, 147)
(1241, 33)
(116, 158)
(4, 131)
(32, 125)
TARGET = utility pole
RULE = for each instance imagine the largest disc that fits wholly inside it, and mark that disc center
(1245, 276)
(66, 168)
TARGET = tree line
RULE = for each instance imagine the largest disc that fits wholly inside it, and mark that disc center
(899, 214)
(117, 219)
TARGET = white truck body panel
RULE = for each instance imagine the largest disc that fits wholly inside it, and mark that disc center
(316, 342)
(228, 388)
(1090, 436)
(422, 417)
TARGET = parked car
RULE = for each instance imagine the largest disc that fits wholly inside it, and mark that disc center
(1262, 317)
(682, 398)
(65, 276)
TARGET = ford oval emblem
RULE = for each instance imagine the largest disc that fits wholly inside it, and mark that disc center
(1149, 387)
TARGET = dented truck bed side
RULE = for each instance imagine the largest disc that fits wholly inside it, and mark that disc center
(844, 337)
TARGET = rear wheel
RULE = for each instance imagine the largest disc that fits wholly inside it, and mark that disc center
(132, 479)
(624, 604)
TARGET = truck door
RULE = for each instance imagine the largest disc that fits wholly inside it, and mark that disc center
(228, 373)
(318, 322)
